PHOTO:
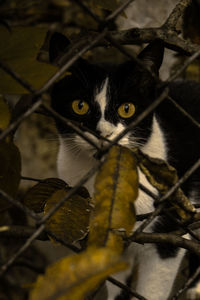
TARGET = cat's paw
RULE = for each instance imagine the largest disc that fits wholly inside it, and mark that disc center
(194, 293)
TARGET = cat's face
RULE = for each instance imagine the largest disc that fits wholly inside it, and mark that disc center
(105, 99)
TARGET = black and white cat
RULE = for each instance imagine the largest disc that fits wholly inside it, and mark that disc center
(107, 98)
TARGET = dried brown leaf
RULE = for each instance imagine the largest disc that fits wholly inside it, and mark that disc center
(36, 197)
(71, 221)
(163, 177)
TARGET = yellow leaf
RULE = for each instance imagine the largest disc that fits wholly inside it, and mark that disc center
(116, 189)
(20, 51)
(71, 221)
(76, 276)
(10, 169)
(4, 115)
(36, 197)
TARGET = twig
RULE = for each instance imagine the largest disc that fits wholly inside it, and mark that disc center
(168, 32)
(167, 238)
(177, 12)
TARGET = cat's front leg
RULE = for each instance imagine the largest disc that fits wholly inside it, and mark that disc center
(156, 275)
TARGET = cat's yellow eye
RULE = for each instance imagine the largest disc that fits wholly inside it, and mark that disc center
(80, 107)
(126, 110)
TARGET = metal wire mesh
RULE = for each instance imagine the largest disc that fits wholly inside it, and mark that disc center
(38, 97)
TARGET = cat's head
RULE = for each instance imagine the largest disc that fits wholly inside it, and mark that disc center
(106, 98)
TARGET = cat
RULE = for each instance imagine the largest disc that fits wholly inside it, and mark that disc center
(106, 99)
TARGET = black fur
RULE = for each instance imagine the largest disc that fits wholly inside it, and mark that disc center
(129, 82)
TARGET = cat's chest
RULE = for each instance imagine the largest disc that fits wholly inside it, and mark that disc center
(73, 166)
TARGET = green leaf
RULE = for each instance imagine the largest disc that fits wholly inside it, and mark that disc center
(74, 277)
(71, 221)
(10, 169)
(37, 196)
(19, 50)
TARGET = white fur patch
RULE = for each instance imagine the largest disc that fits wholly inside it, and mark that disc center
(73, 164)
(100, 98)
(156, 146)
(111, 131)
(106, 128)
(75, 159)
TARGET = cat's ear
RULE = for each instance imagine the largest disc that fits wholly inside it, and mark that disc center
(152, 56)
(58, 44)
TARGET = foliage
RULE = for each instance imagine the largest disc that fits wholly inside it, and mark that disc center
(103, 222)
(109, 217)
(23, 60)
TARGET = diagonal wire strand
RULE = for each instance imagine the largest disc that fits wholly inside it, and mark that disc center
(50, 82)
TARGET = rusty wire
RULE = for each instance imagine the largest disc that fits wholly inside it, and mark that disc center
(38, 100)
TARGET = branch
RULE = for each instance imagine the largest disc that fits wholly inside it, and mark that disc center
(176, 15)
(167, 238)
(169, 33)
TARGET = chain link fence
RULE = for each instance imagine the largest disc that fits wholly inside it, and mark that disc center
(105, 37)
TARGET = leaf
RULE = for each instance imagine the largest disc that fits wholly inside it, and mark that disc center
(71, 221)
(4, 115)
(19, 50)
(163, 177)
(116, 189)
(37, 196)
(76, 276)
(10, 169)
